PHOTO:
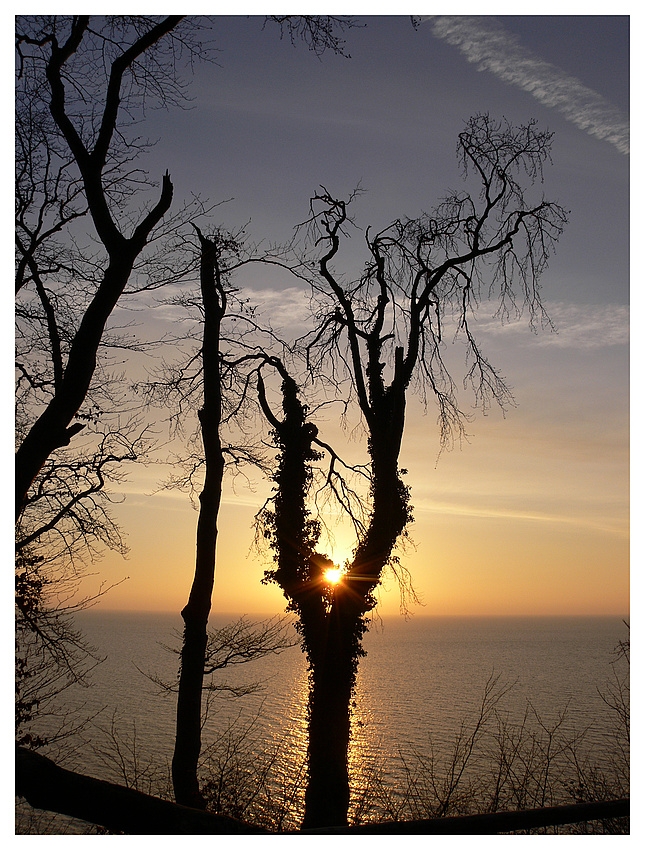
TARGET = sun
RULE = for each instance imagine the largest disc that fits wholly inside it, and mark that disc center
(333, 575)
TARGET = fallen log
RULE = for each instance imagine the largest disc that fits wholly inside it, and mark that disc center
(46, 785)
(493, 823)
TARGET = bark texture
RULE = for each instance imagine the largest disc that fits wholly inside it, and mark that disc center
(331, 618)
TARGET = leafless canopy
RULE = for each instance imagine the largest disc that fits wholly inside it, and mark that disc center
(426, 277)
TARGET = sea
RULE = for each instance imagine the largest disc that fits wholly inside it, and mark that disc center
(420, 691)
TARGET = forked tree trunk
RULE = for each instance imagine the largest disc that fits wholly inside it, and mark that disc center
(54, 428)
(331, 621)
(335, 651)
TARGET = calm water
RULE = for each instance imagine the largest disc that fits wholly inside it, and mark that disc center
(420, 680)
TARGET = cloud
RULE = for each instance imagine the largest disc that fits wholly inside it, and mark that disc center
(579, 326)
(285, 308)
(491, 47)
(587, 326)
(607, 524)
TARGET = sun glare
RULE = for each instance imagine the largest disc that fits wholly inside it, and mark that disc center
(333, 575)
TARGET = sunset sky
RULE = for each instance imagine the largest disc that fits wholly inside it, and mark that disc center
(530, 516)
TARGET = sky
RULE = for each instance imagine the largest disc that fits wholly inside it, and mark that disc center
(530, 515)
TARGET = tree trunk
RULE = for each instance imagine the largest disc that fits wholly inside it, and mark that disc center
(331, 619)
(52, 429)
(333, 653)
(188, 739)
(327, 793)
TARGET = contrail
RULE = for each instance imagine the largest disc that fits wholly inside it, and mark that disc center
(488, 44)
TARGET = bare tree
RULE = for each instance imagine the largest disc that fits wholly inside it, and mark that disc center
(84, 224)
(385, 333)
(320, 33)
(55, 49)
(217, 376)
(196, 611)
(82, 85)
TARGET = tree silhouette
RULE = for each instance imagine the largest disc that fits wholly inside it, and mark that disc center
(385, 332)
(88, 235)
(83, 227)
(378, 338)
(195, 613)
(90, 144)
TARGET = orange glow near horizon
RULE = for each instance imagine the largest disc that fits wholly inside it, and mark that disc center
(498, 530)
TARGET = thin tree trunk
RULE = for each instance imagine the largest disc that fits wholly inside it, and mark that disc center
(195, 614)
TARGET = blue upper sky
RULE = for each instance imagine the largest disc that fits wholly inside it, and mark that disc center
(271, 122)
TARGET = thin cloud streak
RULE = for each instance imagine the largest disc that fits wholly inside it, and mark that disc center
(139, 497)
(488, 44)
(465, 510)
(578, 326)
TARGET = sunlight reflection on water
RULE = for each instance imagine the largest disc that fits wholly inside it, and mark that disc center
(419, 681)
